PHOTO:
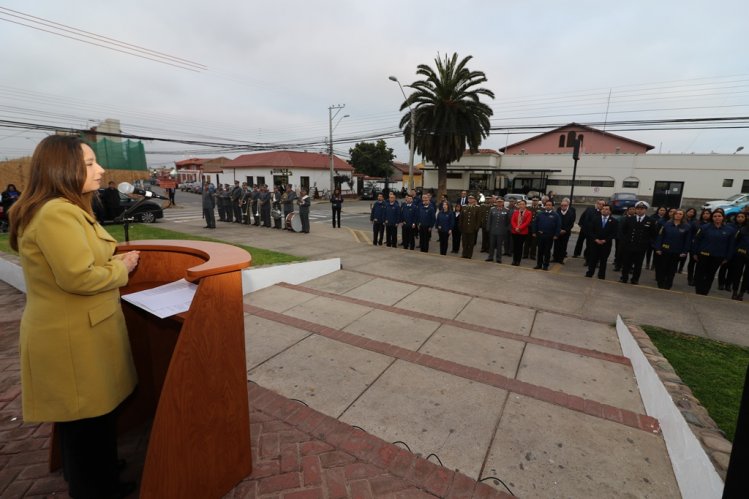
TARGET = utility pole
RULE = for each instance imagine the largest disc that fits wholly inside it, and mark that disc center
(575, 157)
(412, 142)
(338, 108)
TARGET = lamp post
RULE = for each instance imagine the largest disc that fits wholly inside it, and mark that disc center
(412, 142)
(738, 149)
(575, 157)
(338, 108)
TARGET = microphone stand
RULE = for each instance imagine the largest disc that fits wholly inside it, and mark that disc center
(125, 219)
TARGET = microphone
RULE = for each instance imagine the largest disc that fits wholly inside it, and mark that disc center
(128, 188)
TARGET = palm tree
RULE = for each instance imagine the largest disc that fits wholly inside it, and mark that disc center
(448, 113)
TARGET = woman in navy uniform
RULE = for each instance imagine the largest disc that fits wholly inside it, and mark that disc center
(392, 219)
(738, 267)
(425, 220)
(725, 272)
(690, 216)
(704, 218)
(377, 217)
(714, 246)
(445, 222)
(673, 242)
(336, 203)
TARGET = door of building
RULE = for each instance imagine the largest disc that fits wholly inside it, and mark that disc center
(304, 183)
(667, 193)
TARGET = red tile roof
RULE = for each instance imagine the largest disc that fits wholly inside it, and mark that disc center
(288, 159)
(483, 151)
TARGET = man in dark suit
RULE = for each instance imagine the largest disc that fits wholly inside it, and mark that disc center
(637, 234)
(591, 212)
(601, 232)
(568, 216)
(463, 199)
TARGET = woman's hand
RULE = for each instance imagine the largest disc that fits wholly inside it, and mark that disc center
(130, 259)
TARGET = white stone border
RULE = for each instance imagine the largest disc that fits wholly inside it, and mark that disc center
(293, 273)
(694, 471)
(12, 274)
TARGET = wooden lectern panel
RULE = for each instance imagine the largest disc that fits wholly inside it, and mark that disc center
(192, 371)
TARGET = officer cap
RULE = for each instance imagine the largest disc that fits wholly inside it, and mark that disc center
(641, 204)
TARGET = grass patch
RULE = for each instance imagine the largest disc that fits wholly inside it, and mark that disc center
(713, 370)
(148, 231)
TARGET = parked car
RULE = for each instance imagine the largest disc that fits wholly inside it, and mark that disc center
(620, 201)
(735, 208)
(148, 212)
(517, 197)
(736, 199)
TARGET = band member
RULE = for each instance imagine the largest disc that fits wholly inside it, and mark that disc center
(245, 202)
(208, 196)
(255, 200)
(377, 217)
(276, 207)
(601, 232)
(304, 204)
(408, 218)
(288, 201)
(264, 201)
(336, 203)
(236, 202)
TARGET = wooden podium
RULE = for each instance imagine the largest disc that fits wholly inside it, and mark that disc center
(192, 374)
(192, 371)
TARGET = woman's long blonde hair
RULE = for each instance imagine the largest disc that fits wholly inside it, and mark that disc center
(57, 171)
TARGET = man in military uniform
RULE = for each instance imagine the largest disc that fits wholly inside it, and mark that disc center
(636, 235)
(470, 222)
(408, 217)
(254, 206)
(220, 203)
(546, 229)
(264, 205)
(497, 225)
(245, 202)
(275, 199)
(287, 201)
(484, 210)
(236, 197)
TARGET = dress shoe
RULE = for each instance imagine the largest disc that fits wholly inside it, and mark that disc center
(721, 287)
(602, 277)
(488, 259)
(623, 280)
(589, 274)
(537, 267)
(499, 260)
(546, 268)
(634, 282)
(516, 264)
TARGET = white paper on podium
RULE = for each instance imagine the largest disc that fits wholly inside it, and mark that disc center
(164, 301)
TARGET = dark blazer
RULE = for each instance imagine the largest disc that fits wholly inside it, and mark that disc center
(595, 230)
(568, 219)
(637, 236)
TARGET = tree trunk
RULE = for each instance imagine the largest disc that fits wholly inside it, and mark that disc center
(441, 180)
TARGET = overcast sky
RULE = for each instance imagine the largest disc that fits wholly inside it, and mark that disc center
(274, 68)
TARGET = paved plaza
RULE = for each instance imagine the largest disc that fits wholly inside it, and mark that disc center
(407, 375)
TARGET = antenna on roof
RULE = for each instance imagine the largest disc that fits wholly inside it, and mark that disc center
(606, 116)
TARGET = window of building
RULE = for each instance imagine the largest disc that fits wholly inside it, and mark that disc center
(727, 182)
(580, 138)
(571, 136)
(304, 183)
(745, 185)
(631, 184)
(561, 140)
(260, 180)
(250, 180)
(580, 183)
(455, 176)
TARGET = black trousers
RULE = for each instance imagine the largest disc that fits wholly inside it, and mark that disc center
(89, 455)
(704, 273)
(456, 239)
(425, 233)
(690, 268)
(518, 240)
(255, 214)
(582, 237)
(743, 286)
(337, 215)
(444, 239)
(598, 255)
(560, 247)
(545, 243)
(391, 236)
(508, 245)
(237, 212)
(736, 269)
(265, 215)
(304, 215)
(228, 212)
(469, 241)
(495, 246)
(484, 240)
(665, 269)
(632, 264)
(408, 236)
(378, 232)
(529, 250)
(210, 218)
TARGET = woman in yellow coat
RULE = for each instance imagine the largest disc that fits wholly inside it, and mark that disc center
(76, 364)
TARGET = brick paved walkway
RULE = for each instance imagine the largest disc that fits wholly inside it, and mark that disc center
(297, 452)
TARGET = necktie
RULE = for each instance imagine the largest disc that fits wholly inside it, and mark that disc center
(603, 222)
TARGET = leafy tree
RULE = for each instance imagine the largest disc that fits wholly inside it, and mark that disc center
(372, 159)
(449, 115)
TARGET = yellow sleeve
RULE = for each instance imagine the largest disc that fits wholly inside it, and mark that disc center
(62, 239)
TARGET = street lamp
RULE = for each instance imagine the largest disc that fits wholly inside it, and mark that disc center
(739, 149)
(412, 142)
(330, 123)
